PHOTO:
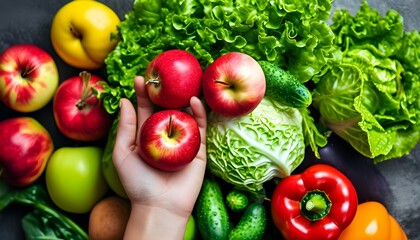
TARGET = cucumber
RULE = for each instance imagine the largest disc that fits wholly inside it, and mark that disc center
(211, 213)
(252, 224)
(236, 200)
(285, 87)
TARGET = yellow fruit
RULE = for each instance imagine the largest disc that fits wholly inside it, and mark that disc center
(84, 32)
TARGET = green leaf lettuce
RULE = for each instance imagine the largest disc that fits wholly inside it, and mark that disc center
(292, 34)
(370, 93)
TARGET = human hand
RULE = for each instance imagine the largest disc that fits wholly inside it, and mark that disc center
(152, 191)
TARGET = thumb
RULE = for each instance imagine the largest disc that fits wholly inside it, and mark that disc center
(125, 140)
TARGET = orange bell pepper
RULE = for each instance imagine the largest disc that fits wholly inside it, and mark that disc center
(373, 222)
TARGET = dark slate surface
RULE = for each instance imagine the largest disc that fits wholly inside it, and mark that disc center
(27, 21)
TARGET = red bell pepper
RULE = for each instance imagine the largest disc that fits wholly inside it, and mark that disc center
(318, 203)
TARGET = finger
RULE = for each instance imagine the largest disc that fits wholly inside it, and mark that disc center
(144, 104)
(200, 116)
(196, 169)
(199, 112)
(126, 131)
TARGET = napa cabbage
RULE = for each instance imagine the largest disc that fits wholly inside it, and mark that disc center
(251, 150)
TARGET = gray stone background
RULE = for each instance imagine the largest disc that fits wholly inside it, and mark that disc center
(29, 21)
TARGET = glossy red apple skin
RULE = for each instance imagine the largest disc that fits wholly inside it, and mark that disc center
(25, 149)
(169, 140)
(234, 84)
(80, 115)
(28, 77)
(172, 78)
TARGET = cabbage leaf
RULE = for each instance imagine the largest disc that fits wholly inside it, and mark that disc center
(250, 150)
(370, 94)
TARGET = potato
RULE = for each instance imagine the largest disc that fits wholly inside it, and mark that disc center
(108, 218)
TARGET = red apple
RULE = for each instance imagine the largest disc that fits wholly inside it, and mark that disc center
(172, 78)
(78, 112)
(169, 140)
(25, 149)
(234, 84)
(28, 77)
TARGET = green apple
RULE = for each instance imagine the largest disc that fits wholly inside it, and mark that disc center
(74, 178)
(190, 229)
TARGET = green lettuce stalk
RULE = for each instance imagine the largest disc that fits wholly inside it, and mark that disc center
(370, 94)
(292, 34)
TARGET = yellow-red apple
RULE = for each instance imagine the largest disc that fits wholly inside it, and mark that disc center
(28, 77)
(25, 150)
(169, 140)
(234, 84)
(78, 112)
(172, 78)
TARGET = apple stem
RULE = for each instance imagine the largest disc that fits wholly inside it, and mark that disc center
(170, 126)
(155, 81)
(27, 71)
(223, 83)
(85, 91)
(75, 33)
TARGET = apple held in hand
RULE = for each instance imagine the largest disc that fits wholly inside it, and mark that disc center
(25, 149)
(169, 140)
(78, 112)
(83, 33)
(28, 77)
(172, 78)
(234, 84)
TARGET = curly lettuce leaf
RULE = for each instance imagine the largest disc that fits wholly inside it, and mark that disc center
(370, 94)
(292, 34)
(314, 136)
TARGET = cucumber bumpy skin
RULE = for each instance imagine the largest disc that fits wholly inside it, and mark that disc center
(211, 213)
(252, 224)
(285, 87)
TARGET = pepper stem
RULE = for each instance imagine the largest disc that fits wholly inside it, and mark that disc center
(315, 205)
